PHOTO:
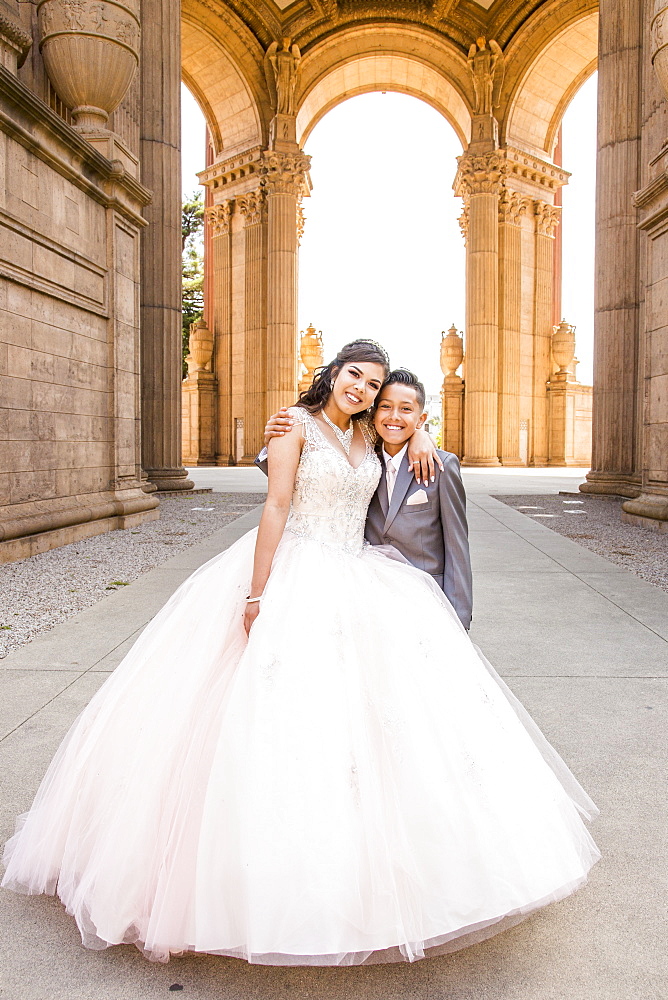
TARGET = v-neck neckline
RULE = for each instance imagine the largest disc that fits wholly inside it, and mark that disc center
(340, 451)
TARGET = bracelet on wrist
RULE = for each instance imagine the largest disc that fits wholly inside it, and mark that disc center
(253, 600)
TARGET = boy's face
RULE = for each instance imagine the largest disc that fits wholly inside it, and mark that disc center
(398, 413)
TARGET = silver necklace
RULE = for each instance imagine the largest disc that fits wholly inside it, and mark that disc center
(345, 438)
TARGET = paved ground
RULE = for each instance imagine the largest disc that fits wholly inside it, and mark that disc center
(582, 642)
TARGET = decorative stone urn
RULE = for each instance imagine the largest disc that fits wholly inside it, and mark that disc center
(659, 29)
(200, 344)
(91, 53)
(563, 351)
(452, 352)
(311, 354)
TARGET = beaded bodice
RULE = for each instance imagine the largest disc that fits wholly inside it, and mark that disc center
(331, 498)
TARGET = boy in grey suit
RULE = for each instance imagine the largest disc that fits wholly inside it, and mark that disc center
(425, 522)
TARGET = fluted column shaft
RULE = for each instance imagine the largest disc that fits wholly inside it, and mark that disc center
(253, 206)
(615, 458)
(284, 178)
(161, 244)
(221, 310)
(512, 208)
(546, 217)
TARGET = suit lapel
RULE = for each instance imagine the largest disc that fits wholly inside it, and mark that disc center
(404, 478)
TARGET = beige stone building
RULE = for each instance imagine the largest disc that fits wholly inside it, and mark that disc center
(90, 369)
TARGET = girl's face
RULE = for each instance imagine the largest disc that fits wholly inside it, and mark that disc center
(356, 386)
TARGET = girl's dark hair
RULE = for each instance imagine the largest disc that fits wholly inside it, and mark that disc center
(316, 396)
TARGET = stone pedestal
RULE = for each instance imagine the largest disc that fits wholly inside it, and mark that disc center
(452, 395)
(161, 245)
(198, 418)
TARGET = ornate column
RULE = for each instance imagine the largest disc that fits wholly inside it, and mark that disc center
(253, 206)
(161, 245)
(452, 393)
(512, 208)
(546, 218)
(478, 181)
(15, 42)
(615, 458)
(218, 218)
(285, 178)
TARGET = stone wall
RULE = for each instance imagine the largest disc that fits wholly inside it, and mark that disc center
(70, 227)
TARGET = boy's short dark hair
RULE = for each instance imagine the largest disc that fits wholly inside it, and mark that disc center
(401, 376)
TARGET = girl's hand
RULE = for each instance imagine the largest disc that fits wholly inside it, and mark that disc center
(250, 614)
(422, 455)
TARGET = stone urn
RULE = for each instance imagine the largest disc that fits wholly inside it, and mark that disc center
(91, 53)
(659, 44)
(311, 354)
(563, 349)
(200, 344)
(452, 352)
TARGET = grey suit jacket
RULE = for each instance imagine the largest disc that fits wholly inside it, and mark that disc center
(432, 536)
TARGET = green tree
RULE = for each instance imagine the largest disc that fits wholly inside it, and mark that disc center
(192, 265)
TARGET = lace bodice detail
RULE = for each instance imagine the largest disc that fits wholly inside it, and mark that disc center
(331, 498)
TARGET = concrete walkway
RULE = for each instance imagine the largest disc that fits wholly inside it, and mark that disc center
(582, 642)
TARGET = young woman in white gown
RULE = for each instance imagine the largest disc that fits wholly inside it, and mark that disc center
(347, 782)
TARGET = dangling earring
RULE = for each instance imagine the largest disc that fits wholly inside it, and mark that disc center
(331, 384)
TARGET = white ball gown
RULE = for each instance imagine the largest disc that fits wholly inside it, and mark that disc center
(350, 784)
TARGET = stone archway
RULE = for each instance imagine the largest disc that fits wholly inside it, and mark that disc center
(506, 178)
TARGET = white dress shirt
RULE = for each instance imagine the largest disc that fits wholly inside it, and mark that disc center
(396, 461)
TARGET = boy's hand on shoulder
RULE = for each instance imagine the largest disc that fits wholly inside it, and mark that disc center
(278, 424)
(423, 457)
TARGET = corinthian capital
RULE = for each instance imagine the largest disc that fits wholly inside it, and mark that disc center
(285, 173)
(512, 206)
(480, 174)
(219, 218)
(253, 206)
(547, 218)
(463, 221)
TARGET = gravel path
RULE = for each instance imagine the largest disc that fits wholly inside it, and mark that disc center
(595, 522)
(44, 590)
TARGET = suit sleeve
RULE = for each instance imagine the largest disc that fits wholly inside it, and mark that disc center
(261, 461)
(457, 579)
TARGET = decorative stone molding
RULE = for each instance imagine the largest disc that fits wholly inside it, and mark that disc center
(14, 42)
(659, 31)
(301, 222)
(91, 54)
(253, 206)
(531, 169)
(233, 171)
(463, 221)
(547, 218)
(512, 206)
(285, 173)
(480, 174)
(218, 217)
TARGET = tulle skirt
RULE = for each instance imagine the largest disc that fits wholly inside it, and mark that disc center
(353, 783)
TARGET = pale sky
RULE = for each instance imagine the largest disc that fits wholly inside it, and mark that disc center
(382, 255)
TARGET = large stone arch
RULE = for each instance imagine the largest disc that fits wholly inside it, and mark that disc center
(221, 64)
(548, 63)
(363, 59)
